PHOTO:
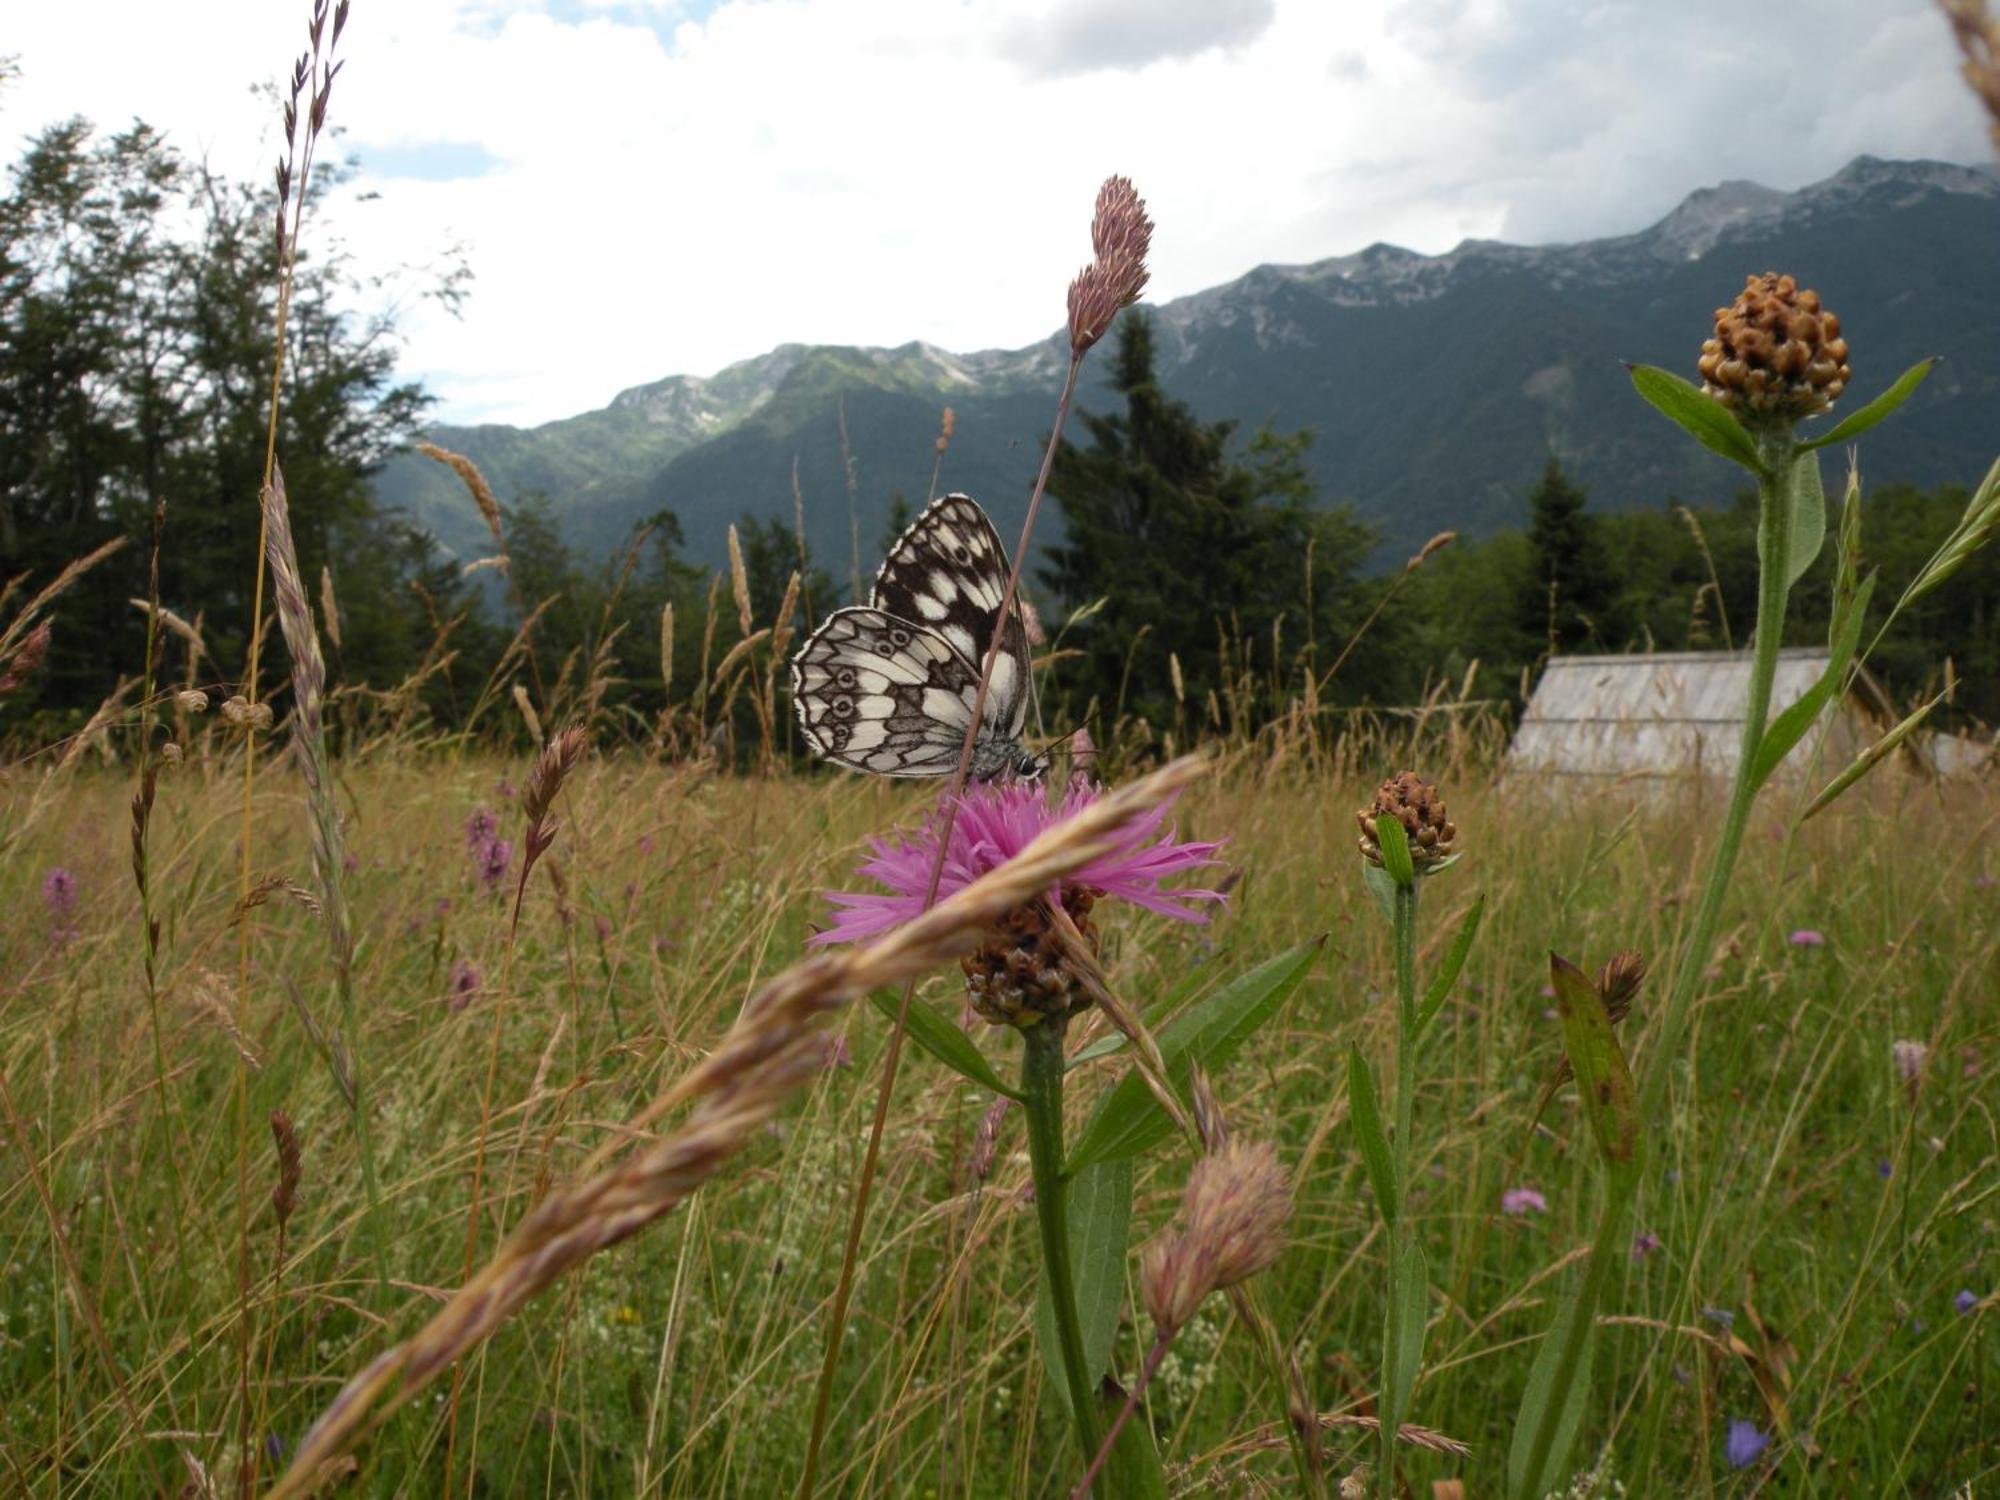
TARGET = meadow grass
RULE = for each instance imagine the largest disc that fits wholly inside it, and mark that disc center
(1840, 1209)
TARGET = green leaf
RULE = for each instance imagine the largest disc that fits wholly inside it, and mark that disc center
(1395, 844)
(1603, 1081)
(1128, 1119)
(937, 1035)
(1104, 1046)
(1412, 1291)
(1133, 1470)
(1535, 1401)
(1789, 727)
(1381, 889)
(1857, 422)
(1698, 414)
(1364, 1110)
(1870, 758)
(1099, 1218)
(1804, 499)
(1454, 961)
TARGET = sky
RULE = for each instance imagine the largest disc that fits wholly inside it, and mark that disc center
(644, 188)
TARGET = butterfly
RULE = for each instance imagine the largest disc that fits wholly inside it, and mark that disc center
(889, 686)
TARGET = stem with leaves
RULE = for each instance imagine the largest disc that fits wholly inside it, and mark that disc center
(1042, 1089)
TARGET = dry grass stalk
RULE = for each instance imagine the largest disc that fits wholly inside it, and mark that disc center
(22, 622)
(197, 647)
(308, 714)
(528, 715)
(771, 1051)
(329, 607)
(667, 649)
(475, 483)
(739, 582)
(1978, 34)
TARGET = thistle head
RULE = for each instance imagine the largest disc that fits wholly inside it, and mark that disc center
(1231, 1226)
(1777, 356)
(1414, 803)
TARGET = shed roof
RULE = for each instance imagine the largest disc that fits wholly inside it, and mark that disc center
(1665, 714)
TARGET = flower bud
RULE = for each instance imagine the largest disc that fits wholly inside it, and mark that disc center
(191, 701)
(1414, 803)
(1777, 356)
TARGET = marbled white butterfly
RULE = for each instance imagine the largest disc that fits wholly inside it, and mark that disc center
(889, 687)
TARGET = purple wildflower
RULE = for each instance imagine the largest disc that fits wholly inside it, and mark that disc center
(464, 985)
(1965, 1302)
(995, 823)
(1985, 883)
(59, 896)
(481, 829)
(1884, 1170)
(1523, 1200)
(1745, 1444)
(1807, 937)
(492, 859)
(1645, 1245)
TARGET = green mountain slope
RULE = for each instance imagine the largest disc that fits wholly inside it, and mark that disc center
(1435, 385)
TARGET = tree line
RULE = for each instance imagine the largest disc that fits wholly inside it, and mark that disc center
(1198, 579)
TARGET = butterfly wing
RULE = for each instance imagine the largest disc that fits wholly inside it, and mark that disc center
(948, 571)
(881, 694)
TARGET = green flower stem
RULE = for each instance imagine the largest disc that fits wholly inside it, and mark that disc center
(1773, 588)
(1042, 1084)
(1576, 1321)
(1397, 1381)
(1773, 540)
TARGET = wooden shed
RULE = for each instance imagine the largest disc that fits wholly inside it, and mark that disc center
(1677, 713)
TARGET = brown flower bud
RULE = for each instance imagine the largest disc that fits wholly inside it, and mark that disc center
(1232, 1225)
(1777, 356)
(1414, 803)
(191, 701)
(1618, 983)
(1019, 975)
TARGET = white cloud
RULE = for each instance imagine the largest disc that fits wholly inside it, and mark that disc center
(656, 188)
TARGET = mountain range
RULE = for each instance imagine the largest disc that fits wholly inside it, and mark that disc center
(1435, 385)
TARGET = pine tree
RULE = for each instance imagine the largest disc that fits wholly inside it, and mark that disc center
(1568, 597)
(1188, 541)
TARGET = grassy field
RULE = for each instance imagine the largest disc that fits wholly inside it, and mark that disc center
(1809, 1218)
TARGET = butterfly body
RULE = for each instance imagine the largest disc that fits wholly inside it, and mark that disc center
(890, 686)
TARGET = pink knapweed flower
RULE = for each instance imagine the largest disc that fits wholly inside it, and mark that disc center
(994, 824)
(1645, 1245)
(481, 829)
(1807, 937)
(1523, 1200)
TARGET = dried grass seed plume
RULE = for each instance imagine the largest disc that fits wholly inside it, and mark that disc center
(1978, 34)
(771, 1050)
(1232, 1225)
(1121, 235)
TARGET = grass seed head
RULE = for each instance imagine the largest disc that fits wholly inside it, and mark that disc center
(285, 1196)
(1777, 356)
(1120, 236)
(1232, 1225)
